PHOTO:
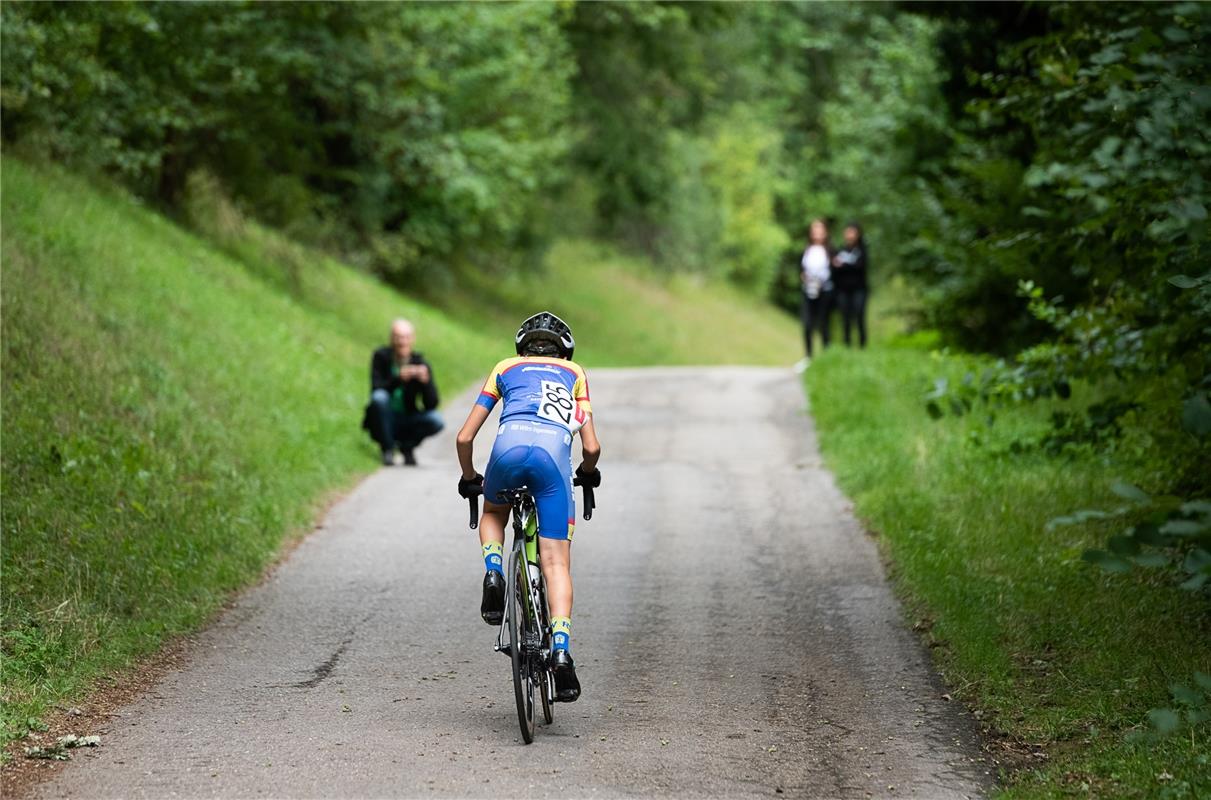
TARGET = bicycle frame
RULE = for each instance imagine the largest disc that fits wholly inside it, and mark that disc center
(525, 546)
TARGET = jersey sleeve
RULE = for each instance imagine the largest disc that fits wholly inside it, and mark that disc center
(580, 393)
(491, 391)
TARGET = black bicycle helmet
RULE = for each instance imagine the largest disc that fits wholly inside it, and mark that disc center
(545, 334)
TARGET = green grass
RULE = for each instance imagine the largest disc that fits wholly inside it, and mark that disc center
(623, 313)
(168, 418)
(174, 407)
(1059, 656)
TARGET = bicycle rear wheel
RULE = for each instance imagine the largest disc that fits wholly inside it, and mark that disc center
(546, 684)
(523, 678)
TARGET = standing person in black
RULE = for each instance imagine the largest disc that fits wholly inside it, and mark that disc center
(817, 285)
(849, 279)
(403, 396)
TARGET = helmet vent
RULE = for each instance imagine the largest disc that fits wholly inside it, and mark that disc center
(543, 334)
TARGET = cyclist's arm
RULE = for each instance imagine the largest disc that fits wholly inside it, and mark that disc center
(590, 447)
(466, 438)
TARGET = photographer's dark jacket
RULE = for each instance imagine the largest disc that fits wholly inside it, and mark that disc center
(407, 397)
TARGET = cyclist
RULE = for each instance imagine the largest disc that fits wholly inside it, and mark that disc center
(546, 402)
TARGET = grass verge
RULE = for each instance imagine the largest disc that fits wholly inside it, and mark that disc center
(624, 313)
(1059, 658)
(175, 406)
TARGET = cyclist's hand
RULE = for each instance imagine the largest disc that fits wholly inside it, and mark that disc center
(471, 487)
(589, 479)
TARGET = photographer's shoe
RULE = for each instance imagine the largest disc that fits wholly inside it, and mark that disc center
(567, 687)
(492, 609)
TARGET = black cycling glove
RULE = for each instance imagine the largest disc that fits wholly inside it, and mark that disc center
(471, 487)
(589, 479)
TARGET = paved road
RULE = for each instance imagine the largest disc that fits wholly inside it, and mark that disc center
(733, 632)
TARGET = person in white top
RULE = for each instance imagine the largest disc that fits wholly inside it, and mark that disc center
(817, 284)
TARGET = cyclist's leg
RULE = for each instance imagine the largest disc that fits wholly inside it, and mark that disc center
(506, 461)
(556, 557)
(492, 534)
(551, 485)
(504, 471)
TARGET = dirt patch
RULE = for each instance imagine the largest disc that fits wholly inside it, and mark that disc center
(95, 716)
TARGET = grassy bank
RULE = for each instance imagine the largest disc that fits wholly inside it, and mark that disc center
(1059, 657)
(627, 314)
(175, 406)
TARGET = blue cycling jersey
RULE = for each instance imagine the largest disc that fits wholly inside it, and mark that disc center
(552, 389)
(546, 400)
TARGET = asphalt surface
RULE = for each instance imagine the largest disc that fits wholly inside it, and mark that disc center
(733, 632)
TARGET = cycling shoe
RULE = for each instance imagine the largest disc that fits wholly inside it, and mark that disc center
(492, 609)
(567, 687)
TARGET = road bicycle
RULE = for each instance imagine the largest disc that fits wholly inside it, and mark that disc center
(525, 629)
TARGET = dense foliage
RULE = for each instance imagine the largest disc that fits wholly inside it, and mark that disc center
(425, 139)
(1067, 230)
(720, 131)
(1068, 227)
(1079, 162)
(401, 134)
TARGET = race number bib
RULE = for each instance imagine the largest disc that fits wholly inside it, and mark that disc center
(557, 404)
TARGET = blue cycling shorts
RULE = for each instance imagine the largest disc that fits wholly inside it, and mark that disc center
(537, 454)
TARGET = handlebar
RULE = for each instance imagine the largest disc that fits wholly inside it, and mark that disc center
(589, 504)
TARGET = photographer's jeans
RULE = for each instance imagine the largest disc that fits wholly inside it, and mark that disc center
(390, 428)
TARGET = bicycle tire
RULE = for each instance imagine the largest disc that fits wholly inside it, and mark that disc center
(523, 683)
(546, 685)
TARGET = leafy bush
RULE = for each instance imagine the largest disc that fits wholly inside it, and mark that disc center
(405, 134)
(1168, 533)
(424, 140)
(1194, 710)
(1080, 165)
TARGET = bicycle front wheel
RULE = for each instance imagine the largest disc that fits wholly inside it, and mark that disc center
(523, 680)
(546, 691)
